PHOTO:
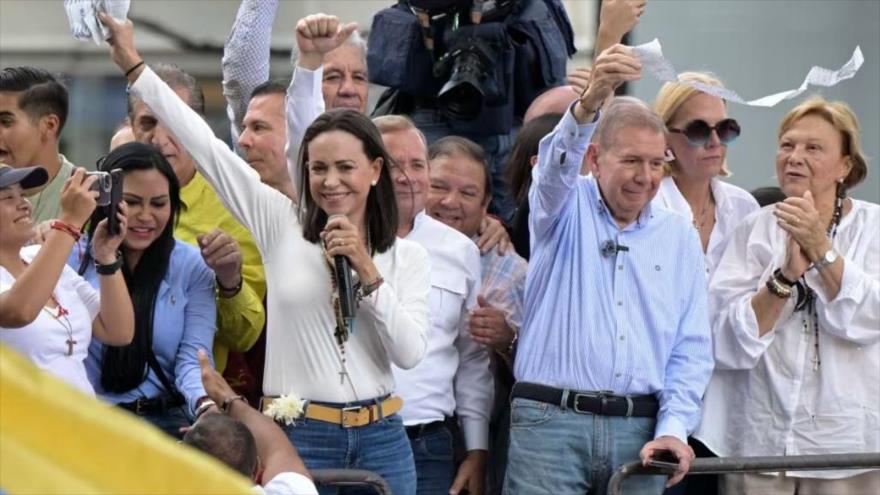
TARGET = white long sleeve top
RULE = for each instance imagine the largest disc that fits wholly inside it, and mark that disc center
(765, 398)
(732, 205)
(454, 376)
(301, 351)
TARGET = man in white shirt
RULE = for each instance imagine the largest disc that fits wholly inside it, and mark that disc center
(247, 441)
(454, 376)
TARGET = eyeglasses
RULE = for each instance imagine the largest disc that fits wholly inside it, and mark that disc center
(698, 132)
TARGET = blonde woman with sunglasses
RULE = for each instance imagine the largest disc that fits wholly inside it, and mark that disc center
(698, 133)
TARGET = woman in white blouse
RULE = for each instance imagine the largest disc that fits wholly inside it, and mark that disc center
(47, 312)
(347, 209)
(797, 327)
(699, 131)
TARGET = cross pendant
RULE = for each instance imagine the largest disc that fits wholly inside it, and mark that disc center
(342, 375)
(70, 343)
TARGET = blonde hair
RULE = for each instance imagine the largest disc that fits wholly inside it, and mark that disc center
(672, 96)
(841, 116)
(397, 123)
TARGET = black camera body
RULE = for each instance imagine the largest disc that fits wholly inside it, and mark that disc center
(109, 187)
(480, 62)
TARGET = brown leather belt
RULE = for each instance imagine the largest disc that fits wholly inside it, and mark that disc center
(347, 417)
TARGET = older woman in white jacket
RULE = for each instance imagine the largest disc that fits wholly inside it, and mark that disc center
(795, 299)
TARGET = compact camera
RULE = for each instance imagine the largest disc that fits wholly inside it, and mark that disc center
(109, 187)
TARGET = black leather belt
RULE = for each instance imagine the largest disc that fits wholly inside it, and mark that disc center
(603, 403)
(416, 431)
(144, 406)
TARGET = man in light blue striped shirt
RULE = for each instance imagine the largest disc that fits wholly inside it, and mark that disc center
(615, 351)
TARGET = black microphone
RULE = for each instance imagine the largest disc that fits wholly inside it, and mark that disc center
(611, 248)
(344, 288)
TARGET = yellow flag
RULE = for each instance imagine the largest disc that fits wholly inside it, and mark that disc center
(56, 440)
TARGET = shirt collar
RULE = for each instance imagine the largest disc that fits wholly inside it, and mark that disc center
(190, 193)
(646, 214)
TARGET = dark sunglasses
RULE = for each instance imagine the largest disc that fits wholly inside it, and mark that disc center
(698, 132)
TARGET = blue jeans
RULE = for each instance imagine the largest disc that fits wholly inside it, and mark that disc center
(381, 447)
(170, 421)
(435, 461)
(553, 450)
(497, 147)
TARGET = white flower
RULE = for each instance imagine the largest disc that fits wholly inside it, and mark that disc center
(285, 409)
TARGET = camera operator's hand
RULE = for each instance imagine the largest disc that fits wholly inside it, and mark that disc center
(104, 245)
(615, 66)
(318, 34)
(78, 201)
(122, 48)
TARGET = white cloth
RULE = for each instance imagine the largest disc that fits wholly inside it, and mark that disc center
(287, 484)
(301, 352)
(765, 399)
(454, 376)
(44, 340)
(732, 205)
(304, 103)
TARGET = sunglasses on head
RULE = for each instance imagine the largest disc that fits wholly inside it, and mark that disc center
(698, 132)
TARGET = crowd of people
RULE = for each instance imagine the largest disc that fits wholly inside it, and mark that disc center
(633, 306)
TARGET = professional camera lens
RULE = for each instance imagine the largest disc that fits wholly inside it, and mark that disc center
(462, 96)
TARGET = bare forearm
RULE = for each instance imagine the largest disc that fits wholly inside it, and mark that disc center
(21, 304)
(273, 447)
(767, 308)
(116, 316)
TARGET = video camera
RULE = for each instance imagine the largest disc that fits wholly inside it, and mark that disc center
(480, 62)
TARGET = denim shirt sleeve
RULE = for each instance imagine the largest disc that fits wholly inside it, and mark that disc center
(198, 331)
(690, 363)
(555, 177)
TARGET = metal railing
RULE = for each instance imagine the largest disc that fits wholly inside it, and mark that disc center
(723, 465)
(350, 477)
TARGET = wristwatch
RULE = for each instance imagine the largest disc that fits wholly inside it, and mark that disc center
(827, 259)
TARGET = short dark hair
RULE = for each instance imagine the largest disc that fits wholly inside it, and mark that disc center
(460, 146)
(528, 139)
(42, 93)
(381, 213)
(226, 439)
(271, 87)
(175, 77)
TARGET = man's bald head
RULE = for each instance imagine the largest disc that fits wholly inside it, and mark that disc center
(554, 100)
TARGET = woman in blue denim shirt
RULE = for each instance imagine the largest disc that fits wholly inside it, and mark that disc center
(172, 291)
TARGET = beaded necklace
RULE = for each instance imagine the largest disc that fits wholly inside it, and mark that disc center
(807, 296)
(60, 316)
(343, 329)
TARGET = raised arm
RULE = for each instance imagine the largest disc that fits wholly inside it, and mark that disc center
(22, 303)
(246, 58)
(616, 18)
(260, 208)
(561, 152)
(274, 450)
(316, 35)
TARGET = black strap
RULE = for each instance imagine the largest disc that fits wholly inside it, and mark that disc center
(154, 365)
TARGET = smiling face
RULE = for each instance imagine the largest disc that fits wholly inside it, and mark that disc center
(810, 156)
(345, 83)
(22, 139)
(264, 137)
(147, 129)
(16, 224)
(458, 193)
(701, 162)
(341, 174)
(410, 171)
(146, 192)
(629, 171)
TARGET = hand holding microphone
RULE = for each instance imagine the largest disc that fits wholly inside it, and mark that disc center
(345, 244)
